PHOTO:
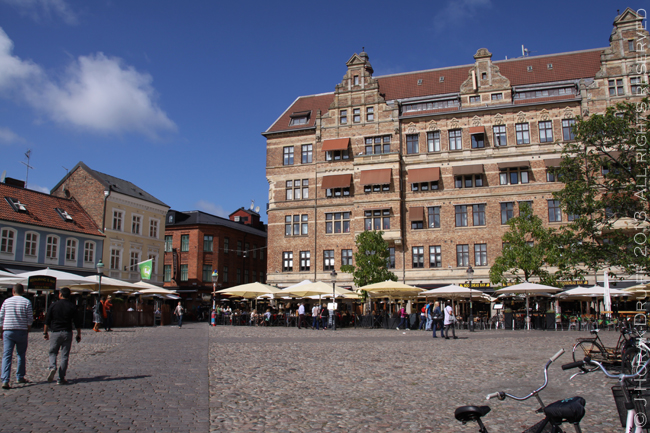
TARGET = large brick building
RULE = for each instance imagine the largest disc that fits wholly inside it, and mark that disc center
(196, 243)
(131, 218)
(438, 159)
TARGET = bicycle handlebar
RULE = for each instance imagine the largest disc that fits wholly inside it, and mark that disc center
(621, 377)
(502, 395)
(573, 365)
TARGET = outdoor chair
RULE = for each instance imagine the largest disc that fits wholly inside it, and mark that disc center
(573, 323)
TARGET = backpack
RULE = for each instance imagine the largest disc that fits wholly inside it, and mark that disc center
(438, 316)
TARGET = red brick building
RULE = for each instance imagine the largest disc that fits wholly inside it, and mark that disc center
(196, 243)
(439, 160)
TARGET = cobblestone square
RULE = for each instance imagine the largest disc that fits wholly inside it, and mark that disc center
(200, 379)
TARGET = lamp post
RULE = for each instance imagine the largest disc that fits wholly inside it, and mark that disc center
(470, 275)
(333, 275)
(100, 270)
(215, 278)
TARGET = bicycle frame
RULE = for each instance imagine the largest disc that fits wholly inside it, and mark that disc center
(631, 425)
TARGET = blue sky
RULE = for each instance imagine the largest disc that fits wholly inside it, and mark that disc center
(173, 95)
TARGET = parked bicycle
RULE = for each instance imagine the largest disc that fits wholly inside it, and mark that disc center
(594, 348)
(630, 399)
(555, 414)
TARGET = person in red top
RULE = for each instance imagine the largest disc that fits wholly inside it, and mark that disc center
(107, 313)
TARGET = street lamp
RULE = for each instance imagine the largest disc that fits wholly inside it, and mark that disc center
(215, 278)
(100, 270)
(333, 275)
(470, 275)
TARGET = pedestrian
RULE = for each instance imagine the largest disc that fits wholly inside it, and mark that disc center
(107, 313)
(437, 318)
(98, 312)
(430, 307)
(403, 318)
(450, 322)
(301, 316)
(423, 316)
(324, 315)
(60, 319)
(315, 314)
(178, 311)
(16, 318)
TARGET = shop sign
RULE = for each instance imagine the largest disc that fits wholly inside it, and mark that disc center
(41, 282)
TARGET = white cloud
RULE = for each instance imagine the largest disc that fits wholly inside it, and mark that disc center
(39, 10)
(38, 188)
(212, 208)
(95, 93)
(7, 136)
(457, 12)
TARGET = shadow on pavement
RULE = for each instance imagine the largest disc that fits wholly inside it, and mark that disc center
(109, 378)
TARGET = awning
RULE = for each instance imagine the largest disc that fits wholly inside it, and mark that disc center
(416, 214)
(376, 177)
(336, 144)
(477, 130)
(513, 164)
(417, 175)
(468, 169)
(553, 162)
(337, 181)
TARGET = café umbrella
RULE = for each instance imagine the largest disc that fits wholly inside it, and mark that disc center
(527, 289)
(250, 290)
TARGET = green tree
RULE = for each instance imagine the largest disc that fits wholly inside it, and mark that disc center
(527, 250)
(371, 260)
(605, 192)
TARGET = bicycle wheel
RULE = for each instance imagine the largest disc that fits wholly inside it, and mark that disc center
(591, 349)
(544, 425)
(633, 360)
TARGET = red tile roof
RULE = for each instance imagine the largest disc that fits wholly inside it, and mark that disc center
(565, 66)
(41, 211)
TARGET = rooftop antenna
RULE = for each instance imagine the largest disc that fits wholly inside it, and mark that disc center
(252, 205)
(525, 52)
(66, 170)
(28, 154)
(4, 175)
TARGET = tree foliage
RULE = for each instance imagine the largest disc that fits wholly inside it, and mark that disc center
(371, 260)
(604, 172)
(526, 252)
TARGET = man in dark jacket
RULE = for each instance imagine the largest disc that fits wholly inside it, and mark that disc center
(60, 319)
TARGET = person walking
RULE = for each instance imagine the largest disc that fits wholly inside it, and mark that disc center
(98, 312)
(315, 315)
(437, 318)
(450, 322)
(178, 311)
(324, 315)
(423, 316)
(60, 319)
(301, 316)
(16, 318)
(403, 318)
(107, 313)
(430, 308)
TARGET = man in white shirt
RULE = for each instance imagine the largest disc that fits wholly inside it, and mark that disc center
(301, 316)
(16, 317)
(450, 322)
(315, 313)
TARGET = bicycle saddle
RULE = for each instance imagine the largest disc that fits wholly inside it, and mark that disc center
(471, 413)
(594, 331)
(570, 410)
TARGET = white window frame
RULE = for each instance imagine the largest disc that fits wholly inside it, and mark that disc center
(136, 219)
(71, 249)
(7, 240)
(90, 246)
(155, 224)
(31, 257)
(115, 217)
(49, 257)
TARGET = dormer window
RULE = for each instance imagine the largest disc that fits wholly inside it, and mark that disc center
(300, 118)
(529, 69)
(356, 80)
(63, 214)
(16, 205)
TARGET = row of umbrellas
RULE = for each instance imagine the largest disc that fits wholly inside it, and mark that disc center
(78, 283)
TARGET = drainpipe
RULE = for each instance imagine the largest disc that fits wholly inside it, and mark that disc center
(103, 228)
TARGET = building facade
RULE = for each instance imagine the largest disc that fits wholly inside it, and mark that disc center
(439, 160)
(132, 219)
(197, 243)
(39, 231)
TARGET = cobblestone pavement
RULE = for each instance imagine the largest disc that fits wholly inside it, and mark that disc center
(200, 379)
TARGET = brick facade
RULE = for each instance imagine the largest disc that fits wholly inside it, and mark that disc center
(493, 126)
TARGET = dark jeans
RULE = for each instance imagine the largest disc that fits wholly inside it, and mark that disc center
(403, 321)
(437, 324)
(301, 321)
(180, 320)
(315, 322)
(324, 319)
(60, 340)
(453, 330)
(108, 321)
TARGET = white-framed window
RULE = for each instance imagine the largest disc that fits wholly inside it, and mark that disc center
(7, 241)
(513, 176)
(433, 141)
(71, 249)
(455, 139)
(31, 244)
(116, 259)
(616, 87)
(297, 189)
(567, 129)
(480, 254)
(523, 133)
(118, 220)
(546, 131)
(136, 224)
(500, 138)
(89, 252)
(135, 259)
(52, 247)
(153, 228)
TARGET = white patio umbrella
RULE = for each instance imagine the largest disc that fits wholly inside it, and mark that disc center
(391, 288)
(452, 290)
(314, 289)
(157, 291)
(62, 278)
(109, 285)
(143, 285)
(528, 289)
(6, 274)
(250, 290)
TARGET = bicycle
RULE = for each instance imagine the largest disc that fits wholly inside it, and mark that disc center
(631, 410)
(555, 414)
(594, 348)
